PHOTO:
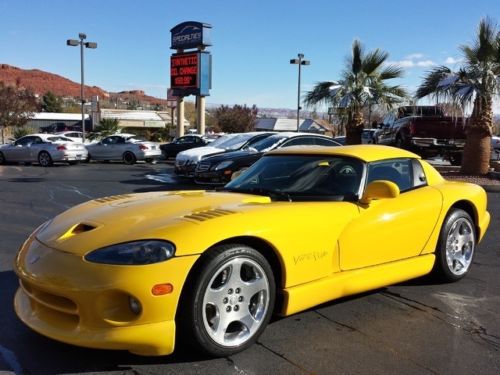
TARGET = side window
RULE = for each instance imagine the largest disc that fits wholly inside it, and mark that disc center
(399, 171)
(119, 140)
(24, 141)
(324, 142)
(108, 141)
(419, 178)
(299, 141)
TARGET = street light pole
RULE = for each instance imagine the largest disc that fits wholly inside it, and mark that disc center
(300, 61)
(81, 43)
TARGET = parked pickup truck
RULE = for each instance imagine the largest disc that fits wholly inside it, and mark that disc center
(426, 131)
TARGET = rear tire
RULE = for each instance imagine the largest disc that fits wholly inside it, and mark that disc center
(44, 159)
(2, 158)
(456, 246)
(228, 302)
(129, 158)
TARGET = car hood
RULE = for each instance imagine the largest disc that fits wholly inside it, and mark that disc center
(232, 155)
(122, 218)
(198, 152)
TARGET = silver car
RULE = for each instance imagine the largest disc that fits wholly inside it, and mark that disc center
(44, 149)
(125, 147)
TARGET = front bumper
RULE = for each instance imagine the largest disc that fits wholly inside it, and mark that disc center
(450, 144)
(186, 170)
(212, 178)
(63, 297)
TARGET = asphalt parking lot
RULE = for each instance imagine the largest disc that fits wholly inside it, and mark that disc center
(418, 327)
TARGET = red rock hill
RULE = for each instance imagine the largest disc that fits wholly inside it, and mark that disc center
(41, 82)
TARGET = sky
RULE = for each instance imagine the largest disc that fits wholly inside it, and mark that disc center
(253, 41)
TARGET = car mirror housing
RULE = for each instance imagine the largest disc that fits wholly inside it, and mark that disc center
(379, 189)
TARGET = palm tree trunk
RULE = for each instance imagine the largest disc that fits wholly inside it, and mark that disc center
(477, 150)
(354, 129)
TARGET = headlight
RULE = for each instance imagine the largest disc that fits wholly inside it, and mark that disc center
(133, 253)
(223, 165)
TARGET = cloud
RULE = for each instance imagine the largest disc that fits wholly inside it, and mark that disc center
(415, 56)
(425, 63)
(413, 60)
(452, 60)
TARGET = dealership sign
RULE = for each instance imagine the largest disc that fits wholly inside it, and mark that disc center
(190, 34)
(190, 73)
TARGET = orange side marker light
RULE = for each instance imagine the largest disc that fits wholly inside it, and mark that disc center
(162, 289)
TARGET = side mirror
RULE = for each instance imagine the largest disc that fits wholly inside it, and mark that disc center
(380, 189)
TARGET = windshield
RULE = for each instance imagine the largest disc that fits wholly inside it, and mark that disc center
(236, 142)
(302, 178)
(269, 143)
(221, 140)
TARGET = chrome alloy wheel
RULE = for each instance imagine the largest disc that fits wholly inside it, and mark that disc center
(235, 302)
(460, 243)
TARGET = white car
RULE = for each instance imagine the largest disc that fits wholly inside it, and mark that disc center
(44, 149)
(125, 147)
(75, 136)
(186, 161)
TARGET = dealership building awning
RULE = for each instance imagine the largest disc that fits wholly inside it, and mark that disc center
(134, 119)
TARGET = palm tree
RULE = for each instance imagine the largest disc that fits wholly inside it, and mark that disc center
(107, 126)
(362, 83)
(476, 83)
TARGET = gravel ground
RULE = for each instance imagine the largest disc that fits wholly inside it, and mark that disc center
(453, 173)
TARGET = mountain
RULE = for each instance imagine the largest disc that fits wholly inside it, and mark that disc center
(40, 82)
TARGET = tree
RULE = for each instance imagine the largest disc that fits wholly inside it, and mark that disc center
(362, 83)
(51, 102)
(16, 107)
(106, 126)
(475, 83)
(237, 119)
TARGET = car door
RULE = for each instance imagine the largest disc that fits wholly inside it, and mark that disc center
(21, 149)
(100, 150)
(118, 147)
(384, 135)
(395, 228)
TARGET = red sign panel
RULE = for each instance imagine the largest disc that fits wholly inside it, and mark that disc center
(184, 71)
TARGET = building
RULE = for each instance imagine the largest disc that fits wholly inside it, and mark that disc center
(44, 119)
(286, 125)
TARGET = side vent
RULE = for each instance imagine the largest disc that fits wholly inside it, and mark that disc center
(112, 198)
(207, 215)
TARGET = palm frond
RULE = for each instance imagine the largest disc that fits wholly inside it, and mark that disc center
(373, 61)
(357, 57)
(391, 72)
(430, 85)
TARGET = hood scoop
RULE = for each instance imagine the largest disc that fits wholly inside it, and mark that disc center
(77, 229)
(208, 214)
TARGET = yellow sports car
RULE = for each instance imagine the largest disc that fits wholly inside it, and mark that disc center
(302, 226)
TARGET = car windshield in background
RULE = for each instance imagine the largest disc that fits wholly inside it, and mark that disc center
(59, 139)
(268, 143)
(221, 140)
(236, 142)
(302, 178)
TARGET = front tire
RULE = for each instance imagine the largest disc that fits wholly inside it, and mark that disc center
(229, 303)
(2, 158)
(456, 246)
(129, 158)
(44, 159)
